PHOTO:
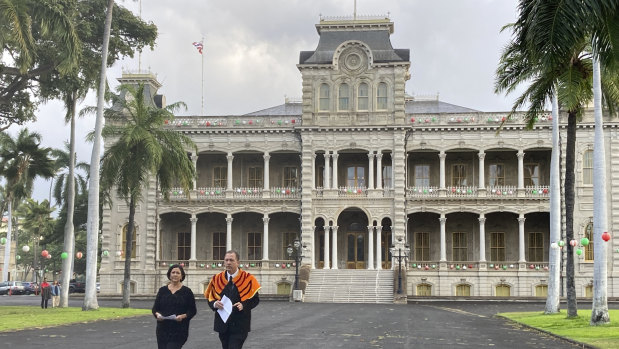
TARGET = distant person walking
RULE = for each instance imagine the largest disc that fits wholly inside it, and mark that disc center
(46, 293)
(174, 307)
(55, 289)
(238, 289)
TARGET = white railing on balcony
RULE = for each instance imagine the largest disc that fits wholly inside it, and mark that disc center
(210, 193)
(418, 192)
(247, 193)
(285, 192)
(502, 190)
(353, 191)
(462, 191)
(178, 194)
(536, 191)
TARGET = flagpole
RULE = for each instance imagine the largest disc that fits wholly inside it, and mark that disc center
(202, 54)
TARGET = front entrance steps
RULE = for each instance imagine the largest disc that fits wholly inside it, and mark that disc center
(349, 286)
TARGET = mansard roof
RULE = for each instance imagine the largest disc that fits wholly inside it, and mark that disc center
(433, 106)
(374, 33)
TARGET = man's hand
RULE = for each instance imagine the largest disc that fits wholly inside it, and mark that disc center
(219, 305)
(238, 305)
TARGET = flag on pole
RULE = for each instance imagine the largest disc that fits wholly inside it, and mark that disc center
(199, 46)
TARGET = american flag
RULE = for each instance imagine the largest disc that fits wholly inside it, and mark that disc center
(199, 46)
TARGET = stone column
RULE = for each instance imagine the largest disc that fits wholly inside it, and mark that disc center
(335, 184)
(379, 170)
(158, 243)
(442, 156)
(379, 249)
(521, 220)
(265, 181)
(194, 159)
(482, 237)
(313, 251)
(327, 250)
(520, 189)
(313, 170)
(442, 220)
(265, 233)
(482, 173)
(334, 249)
(229, 220)
(370, 247)
(194, 221)
(230, 157)
(327, 176)
(371, 170)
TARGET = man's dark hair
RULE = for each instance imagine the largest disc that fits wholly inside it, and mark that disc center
(238, 257)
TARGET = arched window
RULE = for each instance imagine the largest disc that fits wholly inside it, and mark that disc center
(323, 104)
(503, 290)
(589, 248)
(463, 290)
(587, 167)
(344, 97)
(424, 290)
(381, 96)
(363, 95)
(124, 241)
(541, 291)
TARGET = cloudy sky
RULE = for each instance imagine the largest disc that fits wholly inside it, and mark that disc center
(251, 49)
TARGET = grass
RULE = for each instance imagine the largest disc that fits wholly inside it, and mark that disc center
(578, 329)
(27, 317)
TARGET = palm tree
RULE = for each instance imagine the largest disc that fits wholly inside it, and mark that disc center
(64, 193)
(92, 234)
(21, 161)
(37, 220)
(142, 149)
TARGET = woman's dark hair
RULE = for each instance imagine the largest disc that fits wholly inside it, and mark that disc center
(180, 268)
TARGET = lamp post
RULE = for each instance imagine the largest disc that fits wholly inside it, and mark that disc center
(400, 257)
(294, 249)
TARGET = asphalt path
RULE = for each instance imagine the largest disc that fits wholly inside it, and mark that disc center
(276, 324)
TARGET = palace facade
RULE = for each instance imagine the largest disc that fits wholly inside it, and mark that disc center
(364, 176)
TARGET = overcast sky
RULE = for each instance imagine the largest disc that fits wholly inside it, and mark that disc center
(251, 49)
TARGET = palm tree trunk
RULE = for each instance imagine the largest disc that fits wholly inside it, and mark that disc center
(554, 268)
(69, 237)
(570, 155)
(128, 255)
(92, 235)
(7, 248)
(599, 312)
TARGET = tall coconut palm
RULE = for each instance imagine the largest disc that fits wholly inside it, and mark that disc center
(64, 193)
(142, 149)
(21, 161)
(553, 37)
(92, 235)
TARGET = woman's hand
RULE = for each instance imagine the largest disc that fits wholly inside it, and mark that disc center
(158, 316)
(181, 317)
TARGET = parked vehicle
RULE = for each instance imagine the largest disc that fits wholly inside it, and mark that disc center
(12, 287)
(31, 287)
(76, 286)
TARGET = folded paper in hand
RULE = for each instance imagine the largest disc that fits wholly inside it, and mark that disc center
(169, 317)
(227, 309)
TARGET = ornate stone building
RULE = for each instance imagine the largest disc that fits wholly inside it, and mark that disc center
(358, 169)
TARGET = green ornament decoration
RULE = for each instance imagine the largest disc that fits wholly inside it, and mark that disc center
(584, 241)
(64, 255)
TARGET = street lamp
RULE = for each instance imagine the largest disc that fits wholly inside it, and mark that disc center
(400, 257)
(295, 249)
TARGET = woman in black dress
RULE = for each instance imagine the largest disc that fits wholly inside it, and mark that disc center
(174, 307)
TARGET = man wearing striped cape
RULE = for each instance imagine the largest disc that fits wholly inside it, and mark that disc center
(242, 289)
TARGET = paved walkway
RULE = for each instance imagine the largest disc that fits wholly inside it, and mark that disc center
(427, 324)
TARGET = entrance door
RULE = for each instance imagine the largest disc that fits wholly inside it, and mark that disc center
(384, 248)
(355, 250)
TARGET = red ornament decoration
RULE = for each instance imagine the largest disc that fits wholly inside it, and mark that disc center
(573, 243)
(605, 236)
(44, 253)
(545, 191)
(412, 119)
(531, 266)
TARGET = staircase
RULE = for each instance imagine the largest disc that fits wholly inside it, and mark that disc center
(349, 286)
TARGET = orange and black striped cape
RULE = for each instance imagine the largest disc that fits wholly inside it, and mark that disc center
(246, 283)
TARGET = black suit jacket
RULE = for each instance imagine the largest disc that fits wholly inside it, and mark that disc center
(239, 321)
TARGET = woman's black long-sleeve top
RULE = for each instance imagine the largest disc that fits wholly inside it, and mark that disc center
(167, 303)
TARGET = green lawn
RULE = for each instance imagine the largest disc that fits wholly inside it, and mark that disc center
(578, 329)
(23, 317)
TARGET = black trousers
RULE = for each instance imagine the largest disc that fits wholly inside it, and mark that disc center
(169, 345)
(44, 302)
(232, 340)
